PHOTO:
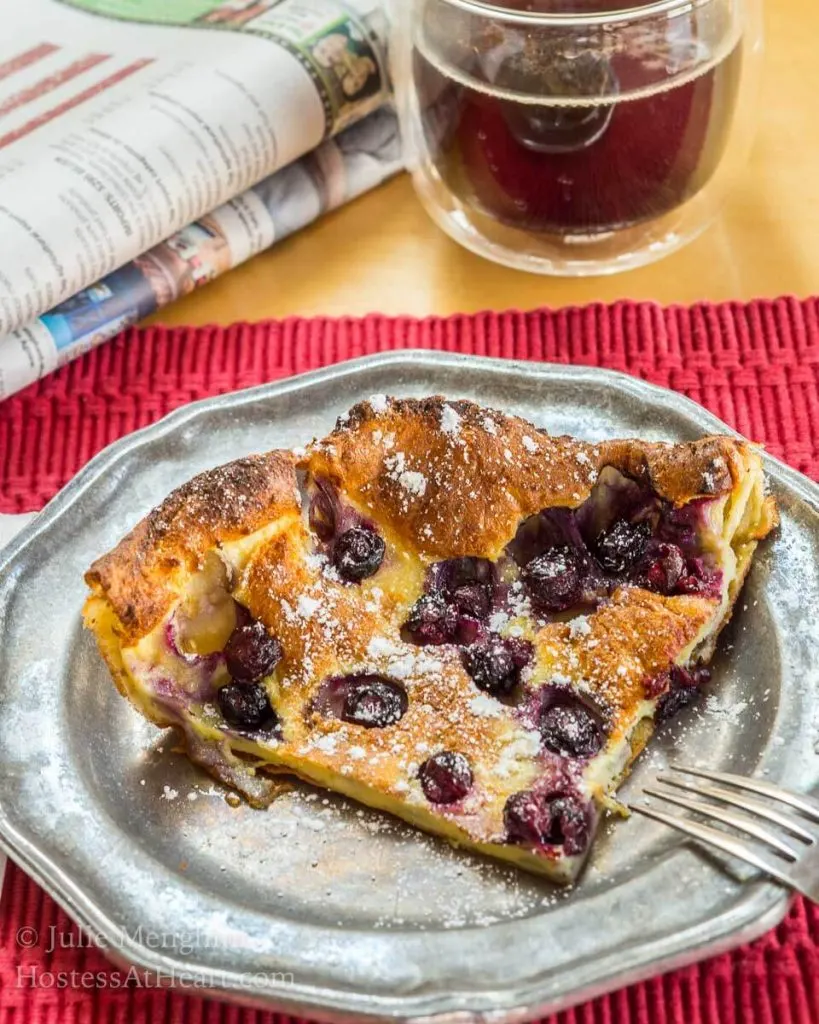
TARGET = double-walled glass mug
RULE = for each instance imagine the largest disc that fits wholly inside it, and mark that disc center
(575, 137)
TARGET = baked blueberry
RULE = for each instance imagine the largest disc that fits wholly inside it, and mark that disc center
(495, 666)
(251, 653)
(459, 596)
(570, 824)
(554, 580)
(700, 580)
(473, 599)
(373, 702)
(432, 621)
(570, 729)
(683, 690)
(358, 554)
(544, 819)
(467, 583)
(445, 777)
(620, 548)
(246, 706)
(491, 668)
(666, 568)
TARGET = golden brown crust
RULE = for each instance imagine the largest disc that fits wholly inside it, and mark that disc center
(767, 522)
(142, 577)
(630, 640)
(99, 617)
(706, 468)
(441, 480)
(451, 479)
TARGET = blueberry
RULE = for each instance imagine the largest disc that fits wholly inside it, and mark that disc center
(458, 599)
(570, 826)
(467, 583)
(539, 819)
(373, 702)
(527, 818)
(554, 579)
(445, 777)
(455, 573)
(655, 686)
(698, 676)
(683, 690)
(621, 547)
(473, 599)
(665, 569)
(495, 667)
(700, 580)
(251, 653)
(671, 703)
(521, 650)
(491, 668)
(469, 631)
(432, 621)
(358, 554)
(246, 706)
(571, 730)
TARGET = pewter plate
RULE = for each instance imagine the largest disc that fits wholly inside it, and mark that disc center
(316, 906)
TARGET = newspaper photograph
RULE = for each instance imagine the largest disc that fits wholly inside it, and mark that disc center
(341, 169)
(125, 124)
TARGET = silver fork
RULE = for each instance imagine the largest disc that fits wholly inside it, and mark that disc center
(795, 862)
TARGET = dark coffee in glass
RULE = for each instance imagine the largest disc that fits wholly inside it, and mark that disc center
(571, 135)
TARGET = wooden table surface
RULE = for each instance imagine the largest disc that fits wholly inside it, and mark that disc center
(382, 254)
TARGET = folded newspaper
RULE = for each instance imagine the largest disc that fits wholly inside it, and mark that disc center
(148, 146)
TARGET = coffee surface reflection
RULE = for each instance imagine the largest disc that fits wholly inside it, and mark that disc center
(573, 142)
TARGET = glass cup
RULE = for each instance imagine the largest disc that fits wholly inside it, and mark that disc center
(575, 137)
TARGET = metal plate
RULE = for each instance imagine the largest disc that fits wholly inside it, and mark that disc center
(316, 906)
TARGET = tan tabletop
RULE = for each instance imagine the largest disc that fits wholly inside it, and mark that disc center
(382, 254)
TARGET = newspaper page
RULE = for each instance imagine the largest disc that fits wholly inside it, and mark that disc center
(124, 121)
(357, 160)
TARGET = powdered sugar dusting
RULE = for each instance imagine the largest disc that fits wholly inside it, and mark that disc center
(415, 483)
(579, 627)
(332, 842)
(327, 743)
(315, 562)
(522, 747)
(378, 403)
(403, 667)
(498, 620)
(410, 480)
(401, 661)
(380, 646)
(450, 420)
(485, 706)
(725, 710)
(306, 607)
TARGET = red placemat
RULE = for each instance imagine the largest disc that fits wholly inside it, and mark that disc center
(756, 366)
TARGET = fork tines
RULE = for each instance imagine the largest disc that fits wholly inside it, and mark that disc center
(708, 801)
